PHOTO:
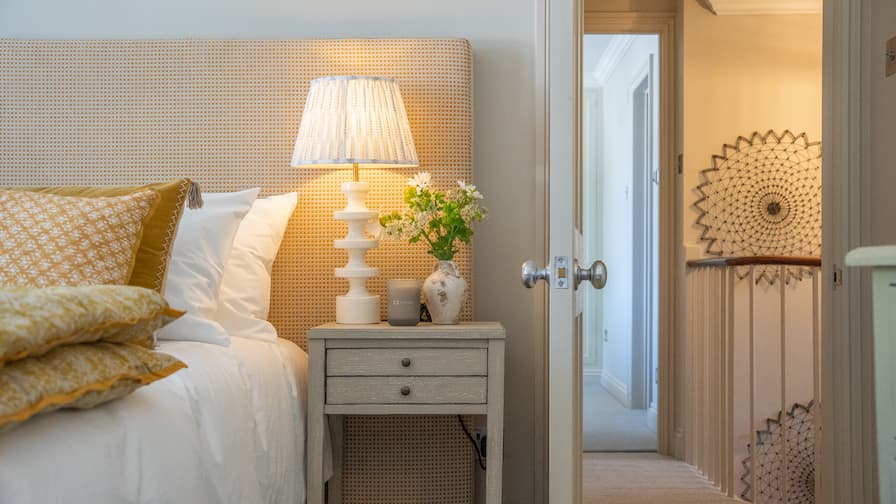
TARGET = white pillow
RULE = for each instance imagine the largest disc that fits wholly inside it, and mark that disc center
(192, 328)
(245, 297)
(201, 249)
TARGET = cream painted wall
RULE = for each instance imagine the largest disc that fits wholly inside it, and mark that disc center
(502, 33)
(743, 74)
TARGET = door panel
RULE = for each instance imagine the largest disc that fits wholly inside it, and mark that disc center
(562, 25)
(564, 346)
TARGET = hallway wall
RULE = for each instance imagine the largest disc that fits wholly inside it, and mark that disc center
(618, 216)
(744, 74)
(609, 213)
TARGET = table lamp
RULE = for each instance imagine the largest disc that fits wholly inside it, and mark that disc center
(355, 122)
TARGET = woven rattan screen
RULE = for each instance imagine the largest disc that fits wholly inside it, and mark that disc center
(225, 113)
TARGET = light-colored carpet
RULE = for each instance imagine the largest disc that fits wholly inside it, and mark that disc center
(609, 426)
(644, 478)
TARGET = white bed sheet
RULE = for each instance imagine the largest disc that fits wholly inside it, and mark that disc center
(228, 429)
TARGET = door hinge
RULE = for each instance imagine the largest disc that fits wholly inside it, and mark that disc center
(680, 164)
(838, 276)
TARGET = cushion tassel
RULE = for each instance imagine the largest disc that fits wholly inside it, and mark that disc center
(194, 196)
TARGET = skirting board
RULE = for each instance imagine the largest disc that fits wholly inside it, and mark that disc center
(616, 388)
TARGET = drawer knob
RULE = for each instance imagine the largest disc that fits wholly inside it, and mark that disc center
(405, 390)
(406, 362)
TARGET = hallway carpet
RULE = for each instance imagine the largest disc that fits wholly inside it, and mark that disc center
(644, 478)
(609, 426)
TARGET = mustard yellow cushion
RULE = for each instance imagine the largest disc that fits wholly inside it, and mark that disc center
(60, 240)
(77, 376)
(151, 264)
(35, 320)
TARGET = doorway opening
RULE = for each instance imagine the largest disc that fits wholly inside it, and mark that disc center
(620, 174)
(739, 379)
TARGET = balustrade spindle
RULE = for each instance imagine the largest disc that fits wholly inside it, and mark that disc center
(715, 380)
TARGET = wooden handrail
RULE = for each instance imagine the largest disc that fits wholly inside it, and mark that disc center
(755, 260)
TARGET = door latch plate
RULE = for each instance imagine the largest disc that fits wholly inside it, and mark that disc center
(561, 268)
(891, 57)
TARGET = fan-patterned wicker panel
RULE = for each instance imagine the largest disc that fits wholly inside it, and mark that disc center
(762, 197)
(225, 113)
(783, 461)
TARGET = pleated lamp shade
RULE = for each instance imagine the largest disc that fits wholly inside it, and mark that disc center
(352, 120)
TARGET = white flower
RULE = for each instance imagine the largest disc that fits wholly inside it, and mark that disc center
(395, 230)
(421, 181)
(469, 189)
(467, 213)
(418, 223)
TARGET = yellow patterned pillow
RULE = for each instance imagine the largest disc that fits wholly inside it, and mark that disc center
(35, 320)
(61, 240)
(77, 376)
(151, 263)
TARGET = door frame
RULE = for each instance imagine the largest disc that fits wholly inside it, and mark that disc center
(848, 466)
(847, 450)
(560, 26)
(669, 247)
(847, 462)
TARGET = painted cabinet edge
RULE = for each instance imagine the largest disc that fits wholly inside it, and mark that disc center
(464, 330)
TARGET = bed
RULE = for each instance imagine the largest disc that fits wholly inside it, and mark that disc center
(225, 113)
(182, 439)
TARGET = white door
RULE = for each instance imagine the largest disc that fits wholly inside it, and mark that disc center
(562, 26)
(563, 275)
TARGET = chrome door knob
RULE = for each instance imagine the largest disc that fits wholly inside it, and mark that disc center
(531, 274)
(596, 274)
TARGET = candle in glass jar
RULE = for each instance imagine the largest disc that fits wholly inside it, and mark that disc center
(403, 297)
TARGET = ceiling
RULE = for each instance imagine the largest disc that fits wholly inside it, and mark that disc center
(593, 48)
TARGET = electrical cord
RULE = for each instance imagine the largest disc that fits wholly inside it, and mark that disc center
(463, 426)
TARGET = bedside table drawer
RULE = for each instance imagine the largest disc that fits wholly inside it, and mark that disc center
(407, 390)
(407, 362)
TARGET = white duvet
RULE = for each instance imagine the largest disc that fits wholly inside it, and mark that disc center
(228, 429)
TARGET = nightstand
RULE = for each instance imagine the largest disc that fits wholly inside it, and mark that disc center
(421, 370)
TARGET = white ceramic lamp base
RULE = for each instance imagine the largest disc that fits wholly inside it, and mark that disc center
(357, 310)
(358, 306)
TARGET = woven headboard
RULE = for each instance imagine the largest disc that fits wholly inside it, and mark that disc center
(225, 113)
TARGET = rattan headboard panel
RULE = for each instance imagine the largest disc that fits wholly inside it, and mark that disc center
(225, 113)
